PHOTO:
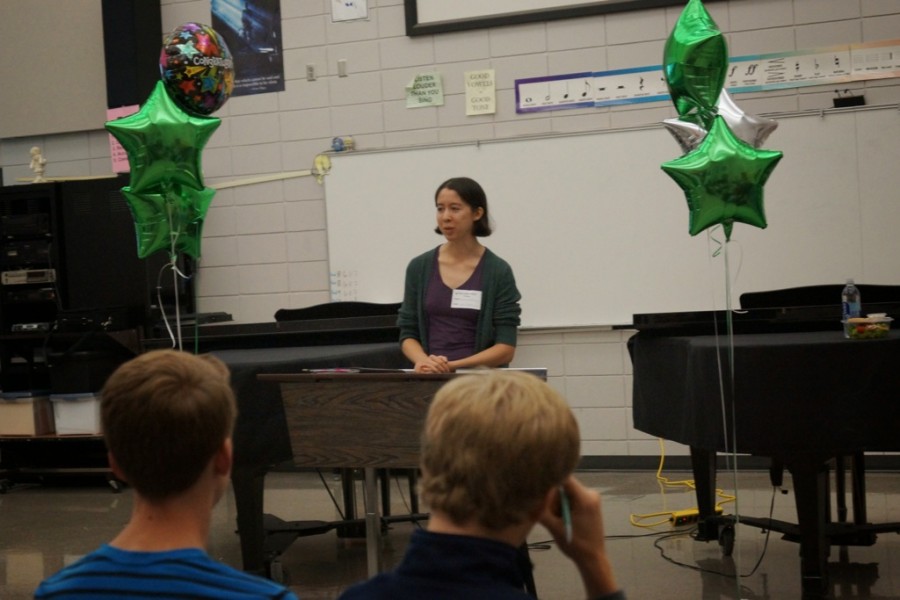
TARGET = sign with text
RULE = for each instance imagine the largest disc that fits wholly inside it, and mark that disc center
(116, 152)
(426, 89)
(481, 94)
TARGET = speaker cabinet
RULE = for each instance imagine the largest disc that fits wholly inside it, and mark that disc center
(102, 268)
(70, 248)
(132, 41)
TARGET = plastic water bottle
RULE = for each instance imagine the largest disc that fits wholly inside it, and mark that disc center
(850, 303)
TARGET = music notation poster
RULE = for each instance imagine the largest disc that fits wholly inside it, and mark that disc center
(554, 92)
(821, 66)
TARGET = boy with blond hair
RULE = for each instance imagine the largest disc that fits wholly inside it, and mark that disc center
(498, 452)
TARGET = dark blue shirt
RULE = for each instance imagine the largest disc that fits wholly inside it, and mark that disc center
(440, 566)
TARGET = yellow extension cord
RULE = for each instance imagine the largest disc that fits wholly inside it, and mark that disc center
(664, 482)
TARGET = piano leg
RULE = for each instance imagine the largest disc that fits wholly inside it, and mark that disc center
(776, 473)
(248, 486)
(703, 463)
(858, 486)
(810, 477)
(840, 488)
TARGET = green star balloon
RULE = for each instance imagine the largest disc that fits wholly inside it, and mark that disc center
(171, 220)
(695, 60)
(163, 143)
(723, 180)
(167, 197)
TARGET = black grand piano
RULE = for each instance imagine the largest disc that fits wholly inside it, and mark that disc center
(328, 336)
(799, 392)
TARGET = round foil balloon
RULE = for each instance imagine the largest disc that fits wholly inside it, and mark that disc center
(197, 68)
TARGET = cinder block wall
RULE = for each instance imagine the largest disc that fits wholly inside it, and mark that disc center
(265, 245)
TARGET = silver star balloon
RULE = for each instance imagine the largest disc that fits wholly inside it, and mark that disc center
(687, 134)
(750, 128)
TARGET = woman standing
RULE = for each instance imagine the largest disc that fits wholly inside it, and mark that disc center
(460, 303)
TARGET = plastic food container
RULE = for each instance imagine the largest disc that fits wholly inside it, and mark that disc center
(872, 327)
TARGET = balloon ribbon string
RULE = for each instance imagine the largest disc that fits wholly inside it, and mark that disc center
(729, 431)
(173, 260)
(729, 328)
(717, 241)
(175, 273)
(196, 269)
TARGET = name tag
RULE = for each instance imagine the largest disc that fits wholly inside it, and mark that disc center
(466, 299)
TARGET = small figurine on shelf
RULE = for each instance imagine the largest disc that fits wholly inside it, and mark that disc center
(38, 162)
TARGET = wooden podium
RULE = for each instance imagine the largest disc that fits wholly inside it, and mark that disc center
(358, 420)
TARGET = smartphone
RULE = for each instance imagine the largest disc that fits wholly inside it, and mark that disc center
(566, 511)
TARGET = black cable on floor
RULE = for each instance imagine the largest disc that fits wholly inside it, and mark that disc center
(547, 544)
(692, 531)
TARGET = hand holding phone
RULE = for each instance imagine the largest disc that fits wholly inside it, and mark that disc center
(580, 507)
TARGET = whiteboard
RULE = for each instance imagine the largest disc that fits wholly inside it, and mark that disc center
(596, 232)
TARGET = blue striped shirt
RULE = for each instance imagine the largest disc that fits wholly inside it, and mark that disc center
(186, 573)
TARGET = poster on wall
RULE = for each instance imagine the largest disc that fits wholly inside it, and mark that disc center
(252, 30)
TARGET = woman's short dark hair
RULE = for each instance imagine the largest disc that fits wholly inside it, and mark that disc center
(473, 195)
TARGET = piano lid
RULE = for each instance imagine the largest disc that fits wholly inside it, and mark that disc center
(803, 308)
(312, 332)
(753, 320)
(331, 323)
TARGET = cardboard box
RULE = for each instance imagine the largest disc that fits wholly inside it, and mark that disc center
(25, 413)
(76, 414)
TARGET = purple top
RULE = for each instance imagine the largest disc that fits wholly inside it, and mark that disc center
(451, 331)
